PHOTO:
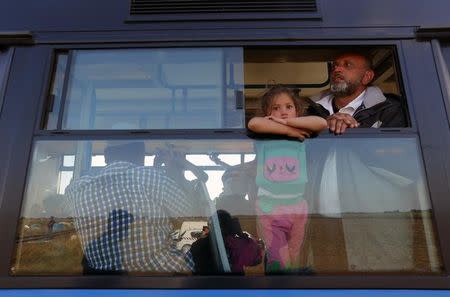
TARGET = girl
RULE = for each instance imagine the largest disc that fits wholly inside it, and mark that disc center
(283, 115)
(281, 208)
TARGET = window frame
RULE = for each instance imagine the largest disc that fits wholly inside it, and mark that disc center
(14, 194)
(40, 130)
(6, 55)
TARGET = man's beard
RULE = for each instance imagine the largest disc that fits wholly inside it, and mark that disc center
(343, 88)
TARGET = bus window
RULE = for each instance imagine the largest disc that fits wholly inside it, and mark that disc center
(83, 216)
(306, 72)
(148, 89)
(102, 206)
(102, 89)
(139, 205)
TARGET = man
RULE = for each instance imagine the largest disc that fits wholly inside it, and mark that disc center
(205, 231)
(343, 178)
(123, 214)
(352, 102)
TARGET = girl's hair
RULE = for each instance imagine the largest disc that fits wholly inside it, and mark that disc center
(268, 97)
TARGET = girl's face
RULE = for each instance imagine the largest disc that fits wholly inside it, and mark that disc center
(283, 107)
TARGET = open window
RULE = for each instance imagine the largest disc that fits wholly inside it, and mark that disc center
(306, 70)
(194, 88)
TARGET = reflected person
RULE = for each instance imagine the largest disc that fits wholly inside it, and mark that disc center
(147, 197)
(241, 250)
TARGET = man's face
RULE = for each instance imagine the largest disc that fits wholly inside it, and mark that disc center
(350, 74)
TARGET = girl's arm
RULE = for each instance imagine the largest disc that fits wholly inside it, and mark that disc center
(265, 125)
(311, 123)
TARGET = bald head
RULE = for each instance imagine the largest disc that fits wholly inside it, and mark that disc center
(350, 75)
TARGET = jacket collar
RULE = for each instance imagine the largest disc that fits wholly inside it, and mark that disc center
(373, 96)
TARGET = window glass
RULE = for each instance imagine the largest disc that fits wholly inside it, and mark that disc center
(154, 89)
(348, 205)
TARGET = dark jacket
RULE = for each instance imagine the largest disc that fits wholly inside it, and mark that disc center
(377, 110)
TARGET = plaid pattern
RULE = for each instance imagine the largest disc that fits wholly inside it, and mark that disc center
(123, 217)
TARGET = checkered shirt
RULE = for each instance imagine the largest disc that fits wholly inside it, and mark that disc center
(123, 217)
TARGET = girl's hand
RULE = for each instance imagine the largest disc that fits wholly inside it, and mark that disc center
(299, 134)
(278, 120)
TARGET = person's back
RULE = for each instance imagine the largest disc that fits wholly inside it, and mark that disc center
(241, 250)
(203, 257)
(148, 197)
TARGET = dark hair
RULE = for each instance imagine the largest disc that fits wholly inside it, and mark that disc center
(276, 90)
(225, 221)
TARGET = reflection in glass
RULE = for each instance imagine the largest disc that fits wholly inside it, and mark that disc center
(64, 179)
(369, 199)
(69, 161)
(78, 217)
(98, 161)
(155, 89)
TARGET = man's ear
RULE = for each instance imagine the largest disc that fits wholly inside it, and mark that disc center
(368, 77)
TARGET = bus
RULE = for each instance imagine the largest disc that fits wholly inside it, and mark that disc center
(122, 122)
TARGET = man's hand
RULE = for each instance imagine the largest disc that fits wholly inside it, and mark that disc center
(339, 122)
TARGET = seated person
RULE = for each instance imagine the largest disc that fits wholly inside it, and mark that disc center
(123, 214)
(352, 102)
(238, 181)
(343, 178)
(241, 250)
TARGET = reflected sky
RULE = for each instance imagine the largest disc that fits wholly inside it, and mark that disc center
(374, 174)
